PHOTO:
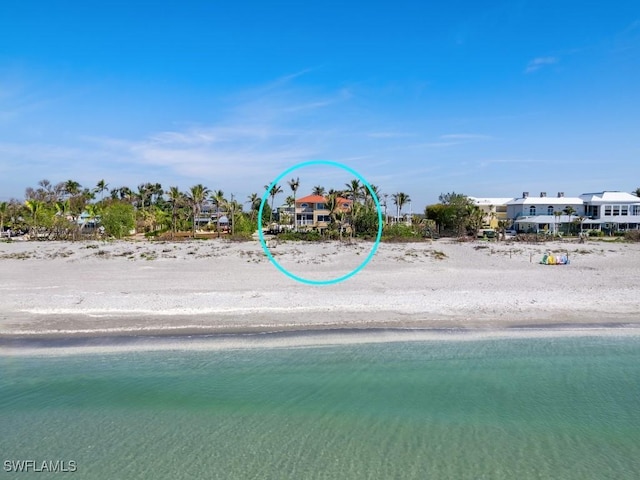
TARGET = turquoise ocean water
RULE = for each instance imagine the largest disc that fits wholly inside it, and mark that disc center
(559, 408)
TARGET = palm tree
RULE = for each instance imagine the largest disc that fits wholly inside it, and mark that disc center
(366, 194)
(636, 192)
(3, 214)
(275, 190)
(353, 189)
(101, 186)
(400, 199)
(557, 214)
(33, 206)
(144, 192)
(332, 205)
(254, 202)
(155, 190)
(578, 221)
(71, 187)
(294, 183)
(218, 199)
(502, 227)
(93, 210)
(176, 199)
(318, 190)
(196, 197)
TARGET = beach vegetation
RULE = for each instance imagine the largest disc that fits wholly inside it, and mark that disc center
(456, 215)
(632, 236)
(294, 184)
(118, 219)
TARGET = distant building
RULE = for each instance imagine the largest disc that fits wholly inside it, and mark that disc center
(495, 209)
(608, 211)
(544, 214)
(611, 211)
(312, 210)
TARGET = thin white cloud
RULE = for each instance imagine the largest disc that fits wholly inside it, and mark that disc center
(465, 136)
(539, 62)
(389, 134)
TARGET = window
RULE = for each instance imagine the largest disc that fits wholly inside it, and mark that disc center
(635, 209)
(607, 210)
(616, 210)
(532, 210)
(304, 205)
(549, 210)
(321, 206)
(624, 210)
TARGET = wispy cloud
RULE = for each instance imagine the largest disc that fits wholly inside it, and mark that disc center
(389, 134)
(540, 62)
(465, 136)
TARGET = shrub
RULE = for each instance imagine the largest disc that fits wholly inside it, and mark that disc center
(298, 236)
(118, 219)
(632, 236)
(400, 233)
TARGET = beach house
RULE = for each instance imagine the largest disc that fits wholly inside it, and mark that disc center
(611, 211)
(312, 211)
(494, 209)
(544, 214)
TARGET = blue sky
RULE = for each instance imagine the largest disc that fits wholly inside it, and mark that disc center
(483, 98)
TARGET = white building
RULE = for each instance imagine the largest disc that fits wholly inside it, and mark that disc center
(611, 211)
(544, 214)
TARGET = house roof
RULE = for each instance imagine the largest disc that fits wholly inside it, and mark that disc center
(495, 201)
(546, 201)
(609, 197)
(319, 199)
(311, 199)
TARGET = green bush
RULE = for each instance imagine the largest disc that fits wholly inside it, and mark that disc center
(300, 236)
(118, 219)
(400, 232)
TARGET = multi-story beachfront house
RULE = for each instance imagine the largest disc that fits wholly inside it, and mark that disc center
(545, 214)
(495, 209)
(312, 210)
(611, 211)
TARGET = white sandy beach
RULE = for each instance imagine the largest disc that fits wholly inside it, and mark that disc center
(132, 288)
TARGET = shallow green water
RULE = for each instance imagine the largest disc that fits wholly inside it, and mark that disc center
(508, 409)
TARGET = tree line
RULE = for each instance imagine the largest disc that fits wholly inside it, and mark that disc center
(53, 210)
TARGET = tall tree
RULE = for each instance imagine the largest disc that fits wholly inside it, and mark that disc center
(71, 188)
(101, 187)
(176, 200)
(219, 201)
(557, 214)
(275, 190)
(318, 190)
(636, 192)
(4, 210)
(196, 197)
(294, 184)
(254, 202)
(353, 189)
(400, 199)
(33, 206)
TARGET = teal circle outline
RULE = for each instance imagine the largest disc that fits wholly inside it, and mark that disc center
(332, 281)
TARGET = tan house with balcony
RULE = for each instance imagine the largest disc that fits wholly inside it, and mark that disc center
(312, 211)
